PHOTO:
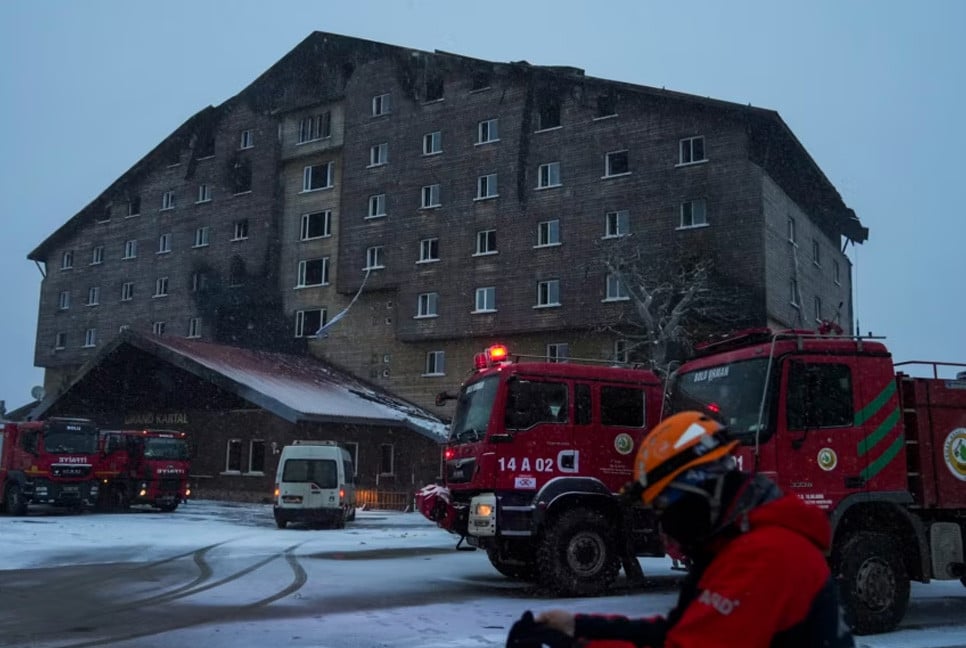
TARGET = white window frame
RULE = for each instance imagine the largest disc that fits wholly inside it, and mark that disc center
(487, 187)
(157, 328)
(93, 296)
(617, 223)
(430, 197)
(97, 255)
(817, 307)
(164, 243)
(392, 458)
(300, 320)
(378, 155)
(691, 206)
(435, 363)
(548, 293)
(429, 250)
(836, 273)
(161, 287)
(548, 230)
(127, 291)
(609, 164)
(90, 338)
(240, 230)
(377, 206)
(816, 253)
(167, 200)
(194, 327)
(558, 352)
(130, 249)
(60, 340)
(791, 231)
(427, 305)
(251, 455)
(548, 175)
(63, 300)
(433, 143)
(308, 177)
(303, 272)
(621, 351)
(67, 260)
(615, 290)
(374, 258)
(202, 237)
(488, 131)
(485, 300)
(306, 226)
(381, 105)
(793, 287)
(353, 448)
(686, 152)
(228, 469)
(313, 128)
(204, 193)
(483, 241)
(246, 139)
(134, 207)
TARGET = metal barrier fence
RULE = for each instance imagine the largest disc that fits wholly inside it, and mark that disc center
(371, 498)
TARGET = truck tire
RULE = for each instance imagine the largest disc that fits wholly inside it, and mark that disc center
(14, 501)
(518, 568)
(578, 554)
(873, 581)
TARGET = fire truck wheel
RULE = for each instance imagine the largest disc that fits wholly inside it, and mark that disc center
(14, 501)
(873, 581)
(521, 569)
(578, 555)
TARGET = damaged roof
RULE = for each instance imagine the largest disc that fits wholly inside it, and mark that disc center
(294, 388)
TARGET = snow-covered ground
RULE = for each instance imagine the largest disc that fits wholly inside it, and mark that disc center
(228, 578)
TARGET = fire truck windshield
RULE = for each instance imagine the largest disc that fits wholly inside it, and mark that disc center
(174, 449)
(731, 393)
(61, 436)
(473, 408)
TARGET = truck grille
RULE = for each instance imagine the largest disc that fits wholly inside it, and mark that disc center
(169, 485)
(70, 470)
(460, 471)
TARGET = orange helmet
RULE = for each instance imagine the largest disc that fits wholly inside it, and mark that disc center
(678, 443)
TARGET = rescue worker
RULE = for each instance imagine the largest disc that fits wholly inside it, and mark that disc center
(758, 573)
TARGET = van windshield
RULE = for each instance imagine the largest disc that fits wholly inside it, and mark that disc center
(321, 472)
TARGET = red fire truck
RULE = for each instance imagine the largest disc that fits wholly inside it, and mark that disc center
(536, 456)
(48, 462)
(143, 467)
(829, 418)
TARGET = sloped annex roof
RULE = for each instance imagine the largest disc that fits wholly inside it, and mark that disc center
(294, 388)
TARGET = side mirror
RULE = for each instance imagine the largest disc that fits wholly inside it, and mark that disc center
(444, 396)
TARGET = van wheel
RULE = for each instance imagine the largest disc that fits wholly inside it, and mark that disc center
(352, 514)
(281, 524)
(14, 500)
(873, 581)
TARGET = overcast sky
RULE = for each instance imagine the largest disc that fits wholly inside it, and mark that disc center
(873, 90)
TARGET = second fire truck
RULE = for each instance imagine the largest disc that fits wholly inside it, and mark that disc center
(144, 467)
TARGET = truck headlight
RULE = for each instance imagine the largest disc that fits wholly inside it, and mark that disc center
(484, 510)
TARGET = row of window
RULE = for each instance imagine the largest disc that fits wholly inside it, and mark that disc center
(257, 449)
(435, 361)
(158, 328)
(795, 298)
(199, 281)
(816, 251)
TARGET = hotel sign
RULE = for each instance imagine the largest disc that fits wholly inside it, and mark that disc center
(156, 418)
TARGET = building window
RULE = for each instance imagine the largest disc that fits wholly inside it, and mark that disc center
(201, 237)
(486, 187)
(428, 250)
(377, 206)
(434, 89)
(435, 363)
(315, 127)
(621, 351)
(488, 130)
(548, 293)
(548, 175)
(616, 291)
(548, 233)
(194, 327)
(164, 243)
(60, 341)
(63, 300)
(67, 260)
(104, 216)
(247, 139)
(386, 456)
(374, 258)
(130, 249)
(236, 272)
(379, 154)
(606, 106)
(791, 230)
(816, 253)
(485, 300)
(93, 296)
(127, 291)
(318, 176)
(316, 225)
(617, 223)
(616, 163)
(694, 213)
(430, 196)
(241, 230)
(256, 456)
(167, 200)
(486, 242)
(161, 287)
(313, 272)
(90, 337)
(692, 150)
(134, 206)
(233, 456)
(427, 305)
(308, 322)
(241, 177)
(204, 193)
(158, 328)
(835, 273)
(558, 352)
(381, 105)
(549, 116)
(817, 305)
(199, 281)
(793, 288)
(353, 449)
(97, 255)
(433, 143)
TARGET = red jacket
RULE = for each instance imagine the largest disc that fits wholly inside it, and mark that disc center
(769, 585)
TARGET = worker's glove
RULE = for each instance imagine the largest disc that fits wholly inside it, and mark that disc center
(527, 633)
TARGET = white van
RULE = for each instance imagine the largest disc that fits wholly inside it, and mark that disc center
(314, 484)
